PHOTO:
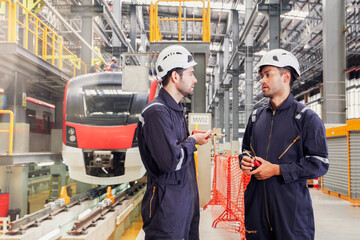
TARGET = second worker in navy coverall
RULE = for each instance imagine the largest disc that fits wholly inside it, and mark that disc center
(170, 207)
(290, 143)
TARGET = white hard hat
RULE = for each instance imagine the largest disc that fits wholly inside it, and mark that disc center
(280, 58)
(174, 56)
(97, 64)
(113, 58)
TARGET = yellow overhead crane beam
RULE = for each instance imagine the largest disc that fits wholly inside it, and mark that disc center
(155, 34)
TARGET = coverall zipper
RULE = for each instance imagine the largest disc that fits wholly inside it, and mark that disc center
(252, 149)
(152, 199)
(297, 138)
(267, 152)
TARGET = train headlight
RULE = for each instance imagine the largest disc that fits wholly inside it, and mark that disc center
(71, 139)
(71, 131)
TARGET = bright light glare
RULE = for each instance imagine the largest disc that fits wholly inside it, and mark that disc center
(42, 164)
(84, 213)
(51, 234)
(296, 14)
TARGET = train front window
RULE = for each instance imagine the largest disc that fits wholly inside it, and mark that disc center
(107, 101)
(104, 104)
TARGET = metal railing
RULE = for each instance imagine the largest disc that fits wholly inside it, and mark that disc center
(155, 34)
(27, 30)
(11, 129)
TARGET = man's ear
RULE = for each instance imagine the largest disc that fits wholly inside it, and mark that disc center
(287, 77)
(174, 76)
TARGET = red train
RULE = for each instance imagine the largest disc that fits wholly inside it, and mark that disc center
(99, 129)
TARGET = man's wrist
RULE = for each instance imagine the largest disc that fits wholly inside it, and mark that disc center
(277, 170)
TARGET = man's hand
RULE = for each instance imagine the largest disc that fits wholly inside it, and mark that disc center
(201, 138)
(266, 170)
(246, 164)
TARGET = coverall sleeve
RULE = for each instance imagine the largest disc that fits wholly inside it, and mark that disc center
(315, 162)
(169, 154)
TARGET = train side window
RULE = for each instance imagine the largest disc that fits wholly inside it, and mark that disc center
(47, 122)
(31, 119)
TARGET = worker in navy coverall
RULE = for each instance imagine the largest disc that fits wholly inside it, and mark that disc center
(170, 207)
(290, 143)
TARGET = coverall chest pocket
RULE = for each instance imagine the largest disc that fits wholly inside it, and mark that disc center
(290, 150)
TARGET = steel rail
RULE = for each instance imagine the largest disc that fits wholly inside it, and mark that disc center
(32, 220)
(90, 220)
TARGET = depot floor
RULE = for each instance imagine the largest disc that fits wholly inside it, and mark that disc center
(335, 219)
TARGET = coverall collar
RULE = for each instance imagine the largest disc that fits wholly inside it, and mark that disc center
(287, 103)
(170, 101)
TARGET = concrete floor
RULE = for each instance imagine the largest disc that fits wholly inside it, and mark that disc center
(335, 219)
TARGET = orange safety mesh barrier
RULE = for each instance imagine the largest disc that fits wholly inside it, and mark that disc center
(227, 202)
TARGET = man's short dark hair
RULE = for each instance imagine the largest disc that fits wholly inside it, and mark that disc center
(166, 78)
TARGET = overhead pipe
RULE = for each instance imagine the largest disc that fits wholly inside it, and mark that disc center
(118, 31)
(52, 8)
(243, 36)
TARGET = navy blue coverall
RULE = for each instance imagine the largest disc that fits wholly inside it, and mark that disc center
(170, 207)
(293, 137)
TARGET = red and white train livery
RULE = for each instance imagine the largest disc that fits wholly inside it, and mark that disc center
(99, 129)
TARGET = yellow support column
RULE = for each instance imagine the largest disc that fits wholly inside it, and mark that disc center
(151, 34)
(37, 37)
(12, 22)
(9, 21)
(196, 155)
(44, 44)
(53, 50)
(27, 30)
(60, 53)
(208, 15)
(204, 23)
(156, 23)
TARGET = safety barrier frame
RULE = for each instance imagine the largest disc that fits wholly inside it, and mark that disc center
(11, 129)
(227, 195)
